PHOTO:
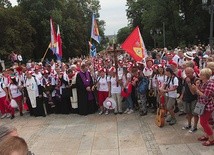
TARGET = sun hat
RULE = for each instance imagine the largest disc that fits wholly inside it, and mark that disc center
(102, 70)
(112, 69)
(29, 72)
(173, 63)
(188, 55)
(109, 103)
(129, 75)
(205, 56)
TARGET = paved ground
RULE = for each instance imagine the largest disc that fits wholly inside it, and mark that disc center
(106, 135)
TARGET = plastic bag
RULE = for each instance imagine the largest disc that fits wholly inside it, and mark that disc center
(13, 104)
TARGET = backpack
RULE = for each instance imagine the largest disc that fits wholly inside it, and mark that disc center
(2, 86)
(180, 83)
(25, 79)
(143, 85)
(44, 81)
(98, 79)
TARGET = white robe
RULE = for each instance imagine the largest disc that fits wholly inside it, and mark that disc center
(32, 90)
(74, 93)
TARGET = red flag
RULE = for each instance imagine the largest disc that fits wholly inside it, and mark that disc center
(134, 45)
(59, 41)
(53, 34)
(53, 44)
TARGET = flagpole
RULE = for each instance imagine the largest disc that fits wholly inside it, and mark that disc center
(45, 53)
(116, 61)
(90, 48)
(90, 34)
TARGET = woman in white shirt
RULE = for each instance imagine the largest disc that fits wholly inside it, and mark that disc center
(160, 79)
(170, 89)
(160, 76)
(103, 90)
(3, 99)
(15, 93)
(33, 95)
(115, 91)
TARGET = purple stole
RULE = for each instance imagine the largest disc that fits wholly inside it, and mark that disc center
(86, 81)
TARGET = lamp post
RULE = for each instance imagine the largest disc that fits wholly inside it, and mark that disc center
(164, 36)
(154, 33)
(211, 10)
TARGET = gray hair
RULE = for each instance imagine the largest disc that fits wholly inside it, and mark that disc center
(6, 130)
(189, 69)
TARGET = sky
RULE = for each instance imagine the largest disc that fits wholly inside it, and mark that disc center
(14, 2)
(113, 12)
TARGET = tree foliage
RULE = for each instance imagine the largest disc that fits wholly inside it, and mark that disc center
(16, 32)
(5, 4)
(122, 34)
(185, 21)
(26, 27)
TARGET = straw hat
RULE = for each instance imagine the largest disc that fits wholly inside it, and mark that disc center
(188, 55)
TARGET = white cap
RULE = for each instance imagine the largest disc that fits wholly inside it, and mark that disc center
(73, 66)
(205, 56)
(129, 75)
(193, 52)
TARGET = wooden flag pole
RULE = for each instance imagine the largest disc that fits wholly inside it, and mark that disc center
(116, 62)
(89, 47)
(45, 53)
(115, 52)
(95, 78)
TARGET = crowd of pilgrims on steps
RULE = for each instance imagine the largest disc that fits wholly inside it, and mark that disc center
(172, 79)
(81, 85)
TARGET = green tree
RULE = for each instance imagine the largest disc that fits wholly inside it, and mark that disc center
(89, 7)
(16, 32)
(39, 12)
(5, 4)
(31, 32)
(74, 18)
(122, 34)
(185, 21)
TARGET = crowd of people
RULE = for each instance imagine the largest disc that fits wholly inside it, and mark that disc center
(166, 78)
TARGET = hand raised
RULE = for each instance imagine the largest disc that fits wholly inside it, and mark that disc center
(88, 89)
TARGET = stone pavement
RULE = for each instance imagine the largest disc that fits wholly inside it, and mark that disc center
(106, 135)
